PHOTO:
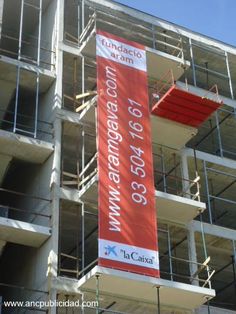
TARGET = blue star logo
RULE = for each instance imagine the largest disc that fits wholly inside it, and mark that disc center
(110, 250)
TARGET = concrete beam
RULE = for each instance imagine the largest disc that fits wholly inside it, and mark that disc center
(70, 49)
(69, 116)
(28, 66)
(24, 233)
(214, 230)
(65, 285)
(222, 161)
(24, 148)
(70, 194)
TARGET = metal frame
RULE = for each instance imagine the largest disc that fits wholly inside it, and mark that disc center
(15, 128)
(14, 194)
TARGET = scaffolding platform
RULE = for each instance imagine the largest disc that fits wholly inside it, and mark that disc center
(176, 208)
(164, 132)
(170, 207)
(24, 233)
(143, 288)
(24, 148)
(157, 61)
(184, 107)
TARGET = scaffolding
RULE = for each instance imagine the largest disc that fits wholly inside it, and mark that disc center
(79, 160)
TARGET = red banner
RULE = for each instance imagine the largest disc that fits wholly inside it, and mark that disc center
(127, 213)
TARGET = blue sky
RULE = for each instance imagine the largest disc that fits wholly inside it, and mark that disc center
(214, 18)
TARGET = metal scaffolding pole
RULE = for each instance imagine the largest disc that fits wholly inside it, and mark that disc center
(82, 78)
(158, 300)
(78, 23)
(163, 170)
(97, 294)
(82, 24)
(169, 253)
(229, 75)
(207, 191)
(21, 29)
(192, 61)
(18, 68)
(218, 133)
(37, 75)
(83, 237)
(83, 155)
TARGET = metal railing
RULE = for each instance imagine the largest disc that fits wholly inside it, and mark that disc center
(178, 189)
(24, 207)
(25, 125)
(158, 39)
(48, 53)
(161, 86)
(168, 174)
(202, 276)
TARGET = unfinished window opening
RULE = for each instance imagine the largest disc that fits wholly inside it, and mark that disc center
(20, 106)
(210, 68)
(222, 255)
(22, 37)
(17, 201)
(20, 293)
(79, 158)
(218, 191)
(173, 253)
(216, 135)
(15, 282)
(169, 175)
(79, 77)
(78, 249)
(175, 263)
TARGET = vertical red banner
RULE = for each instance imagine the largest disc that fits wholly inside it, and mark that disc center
(127, 213)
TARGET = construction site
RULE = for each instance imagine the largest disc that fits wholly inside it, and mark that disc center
(49, 179)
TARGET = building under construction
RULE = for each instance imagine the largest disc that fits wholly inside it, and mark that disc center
(49, 178)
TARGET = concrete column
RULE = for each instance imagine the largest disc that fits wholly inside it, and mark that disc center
(185, 174)
(56, 173)
(192, 253)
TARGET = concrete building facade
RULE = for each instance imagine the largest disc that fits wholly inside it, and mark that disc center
(48, 163)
